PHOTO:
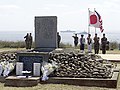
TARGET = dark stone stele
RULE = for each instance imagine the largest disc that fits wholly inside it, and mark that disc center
(45, 33)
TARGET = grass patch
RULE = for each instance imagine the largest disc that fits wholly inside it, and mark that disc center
(12, 44)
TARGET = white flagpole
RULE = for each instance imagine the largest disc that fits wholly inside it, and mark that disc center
(95, 30)
(95, 27)
(88, 21)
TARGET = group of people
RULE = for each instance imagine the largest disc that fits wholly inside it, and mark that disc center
(28, 40)
(96, 39)
(96, 43)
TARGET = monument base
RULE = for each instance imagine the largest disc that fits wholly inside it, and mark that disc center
(2, 79)
(44, 49)
(29, 59)
(43, 55)
(21, 82)
(99, 82)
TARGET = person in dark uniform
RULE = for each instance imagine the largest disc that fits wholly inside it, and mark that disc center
(96, 44)
(30, 39)
(82, 43)
(103, 44)
(58, 39)
(75, 40)
(27, 41)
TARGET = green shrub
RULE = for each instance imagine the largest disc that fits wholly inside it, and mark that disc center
(62, 45)
(114, 45)
(12, 44)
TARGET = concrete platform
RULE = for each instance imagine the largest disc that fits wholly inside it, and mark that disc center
(111, 57)
(98, 82)
(2, 79)
(22, 81)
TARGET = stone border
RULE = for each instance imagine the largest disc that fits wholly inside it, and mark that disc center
(108, 83)
(21, 82)
(2, 79)
(33, 81)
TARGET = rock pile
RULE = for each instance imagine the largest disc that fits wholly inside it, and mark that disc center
(8, 56)
(81, 65)
(7, 63)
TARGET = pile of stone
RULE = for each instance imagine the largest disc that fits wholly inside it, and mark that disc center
(8, 57)
(7, 63)
(81, 65)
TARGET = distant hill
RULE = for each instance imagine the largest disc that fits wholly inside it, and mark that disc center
(68, 31)
(82, 32)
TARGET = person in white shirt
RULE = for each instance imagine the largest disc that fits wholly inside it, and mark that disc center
(89, 43)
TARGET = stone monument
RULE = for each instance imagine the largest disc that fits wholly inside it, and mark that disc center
(45, 41)
(45, 33)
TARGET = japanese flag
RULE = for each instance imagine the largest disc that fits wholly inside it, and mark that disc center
(94, 20)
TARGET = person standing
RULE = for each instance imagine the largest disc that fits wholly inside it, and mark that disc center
(27, 41)
(82, 43)
(96, 44)
(89, 43)
(75, 40)
(30, 40)
(58, 39)
(103, 44)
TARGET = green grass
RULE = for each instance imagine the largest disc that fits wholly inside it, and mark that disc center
(10, 49)
(12, 44)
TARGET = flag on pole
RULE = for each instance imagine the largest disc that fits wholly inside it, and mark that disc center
(100, 20)
(95, 20)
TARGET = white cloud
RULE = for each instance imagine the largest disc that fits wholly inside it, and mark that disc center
(9, 7)
(57, 5)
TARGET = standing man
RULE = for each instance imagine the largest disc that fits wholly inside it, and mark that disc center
(82, 43)
(96, 44)
(75, 40)
(58, 39)
(27, 41)
(89, 43)
(30, 40)
(103, 44)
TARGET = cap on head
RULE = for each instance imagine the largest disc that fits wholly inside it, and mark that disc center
(82, 35)
(89, 34)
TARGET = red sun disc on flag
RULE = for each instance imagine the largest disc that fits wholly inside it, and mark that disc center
(93, 19)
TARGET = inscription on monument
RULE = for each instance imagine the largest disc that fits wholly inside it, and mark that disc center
(28, 61)
(47, 28)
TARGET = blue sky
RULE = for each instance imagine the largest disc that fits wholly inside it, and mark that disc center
(18, 15)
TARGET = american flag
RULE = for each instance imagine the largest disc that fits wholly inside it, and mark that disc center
(100, 20)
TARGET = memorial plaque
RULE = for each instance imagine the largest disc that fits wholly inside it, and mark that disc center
(28, 62)
(46, 32)
(36, 71)
(19, 68)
